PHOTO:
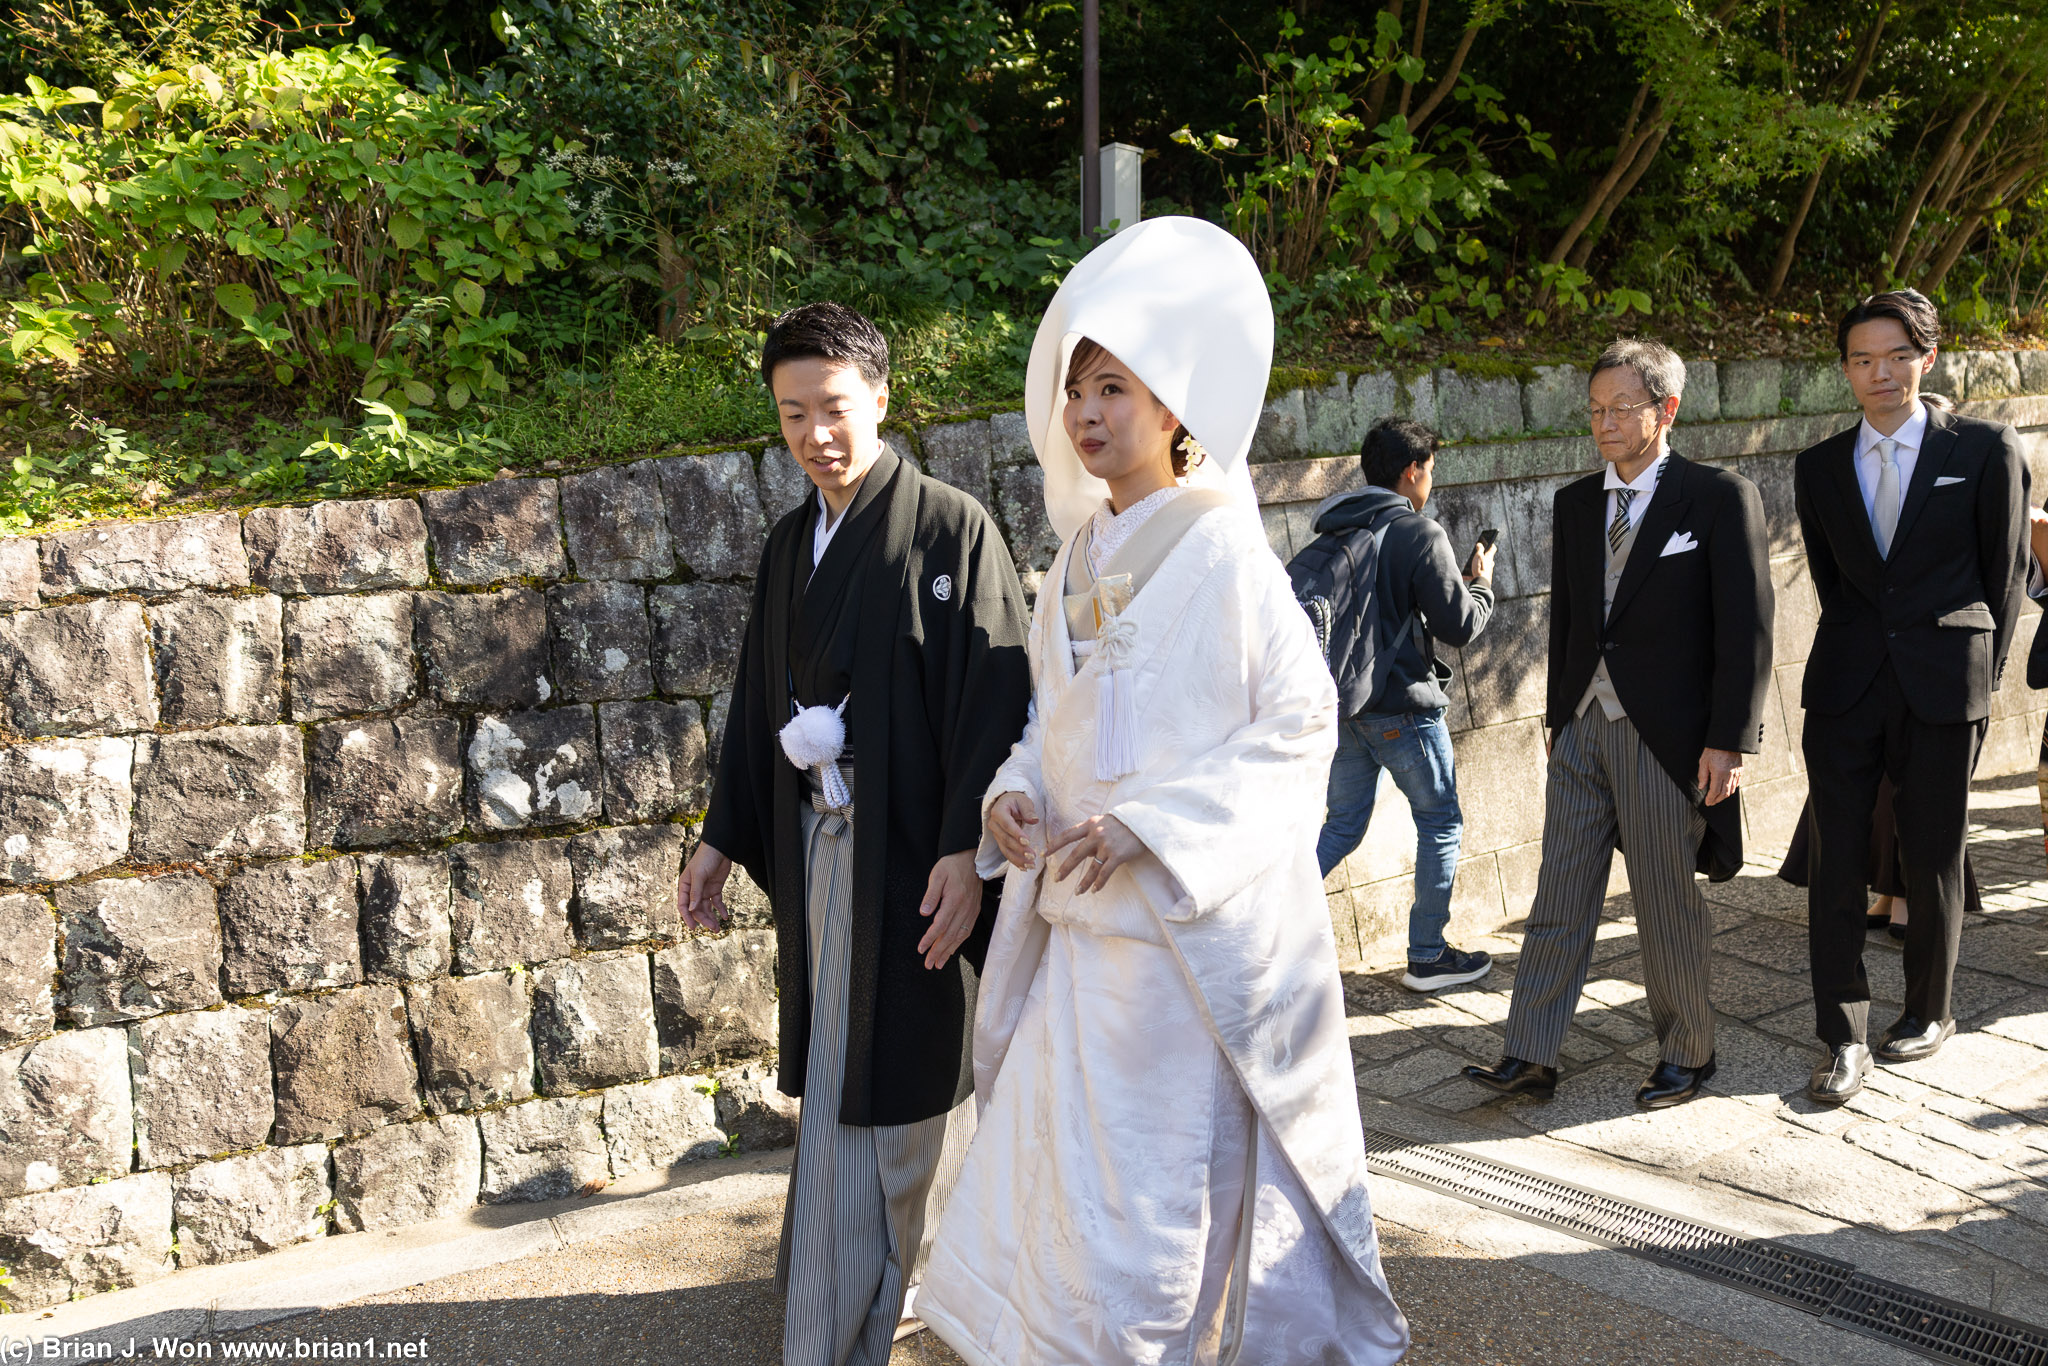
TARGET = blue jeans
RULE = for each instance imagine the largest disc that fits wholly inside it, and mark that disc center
(1415, 747)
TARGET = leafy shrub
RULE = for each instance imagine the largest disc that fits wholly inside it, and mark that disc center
(685, 127)
(300, 212)
(1349, 216)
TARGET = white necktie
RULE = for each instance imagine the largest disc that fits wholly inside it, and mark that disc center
(1884, 517)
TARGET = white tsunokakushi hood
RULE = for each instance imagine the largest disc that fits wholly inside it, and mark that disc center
(1182, 303)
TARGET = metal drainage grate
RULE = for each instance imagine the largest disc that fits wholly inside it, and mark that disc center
(1825, 1286)
(1935, 1327)
(1789, 1275)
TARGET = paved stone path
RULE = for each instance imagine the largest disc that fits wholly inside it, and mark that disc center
(700, 1290)
(1936, 1176)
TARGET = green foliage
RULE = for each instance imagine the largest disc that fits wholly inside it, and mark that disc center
(1357, 220)
(107, 470)
(683, 126)
(652, 395)
(543, 233)
(299, 220)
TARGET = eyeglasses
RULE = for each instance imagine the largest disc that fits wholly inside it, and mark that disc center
(1597, 415)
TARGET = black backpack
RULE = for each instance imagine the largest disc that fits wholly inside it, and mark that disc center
(1336, 580)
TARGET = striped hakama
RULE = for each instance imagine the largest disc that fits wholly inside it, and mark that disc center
(863, 1202)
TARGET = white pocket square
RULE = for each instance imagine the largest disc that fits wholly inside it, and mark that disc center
(1680, 542)
(1948, 479)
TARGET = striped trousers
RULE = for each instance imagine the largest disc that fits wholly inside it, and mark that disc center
(1604, 784)
(863, 1202)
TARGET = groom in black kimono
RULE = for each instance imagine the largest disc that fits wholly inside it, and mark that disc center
(889, 602)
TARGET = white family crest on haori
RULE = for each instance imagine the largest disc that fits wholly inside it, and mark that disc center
(1169, 1166)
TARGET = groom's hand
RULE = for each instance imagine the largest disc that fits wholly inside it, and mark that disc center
(700, 891)
(952, 899)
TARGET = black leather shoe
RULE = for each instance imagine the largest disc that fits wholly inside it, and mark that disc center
(1841, 1076)
(1513, 1077)
(1672, 1085)
(1909, 1040)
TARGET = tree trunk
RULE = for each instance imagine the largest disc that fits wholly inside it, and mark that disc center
(1624, 159)
(676, 294)
(1603, 199)
(1376, 93)
(1450, 78)
(1788, 245)
(1902, 231)
(1421, 25)
(1583, 252)
(1959, 238)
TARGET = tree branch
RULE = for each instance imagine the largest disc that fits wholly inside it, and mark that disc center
(1624, 158)
(1450, 78)
(1902, 231)
(1584, 251)
(1788, 245)
(1948, 188)
(1959, 238)
(1421, 26)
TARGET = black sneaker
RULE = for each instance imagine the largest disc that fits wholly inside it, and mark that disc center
(1453, 967)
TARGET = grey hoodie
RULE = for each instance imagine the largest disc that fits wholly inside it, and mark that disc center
(1418, 573)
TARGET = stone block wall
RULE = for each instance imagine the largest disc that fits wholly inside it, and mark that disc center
(338, 843)
(338, 850)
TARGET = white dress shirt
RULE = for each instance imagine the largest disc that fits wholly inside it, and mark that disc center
(1644, 484)
(1869, 464)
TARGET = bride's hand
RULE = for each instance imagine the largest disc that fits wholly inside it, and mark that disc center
(1105, 840)
(1007, 817)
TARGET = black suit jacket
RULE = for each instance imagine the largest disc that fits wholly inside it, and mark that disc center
(1943, 607)
(1688, 643)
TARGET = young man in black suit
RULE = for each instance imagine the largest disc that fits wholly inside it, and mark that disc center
(1660, 662)
(1915, 523)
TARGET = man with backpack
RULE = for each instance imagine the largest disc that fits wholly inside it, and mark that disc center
(1380, 583)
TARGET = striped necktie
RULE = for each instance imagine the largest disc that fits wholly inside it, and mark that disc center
(1617, 531)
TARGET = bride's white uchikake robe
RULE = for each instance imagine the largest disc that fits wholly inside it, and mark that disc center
(1142, 1050)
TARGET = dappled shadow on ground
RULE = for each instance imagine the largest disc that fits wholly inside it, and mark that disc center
(1465, 1308)
(698, 1290)
(1952, 1152)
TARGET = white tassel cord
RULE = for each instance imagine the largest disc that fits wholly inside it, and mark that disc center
(814, 739)
(1116, 709)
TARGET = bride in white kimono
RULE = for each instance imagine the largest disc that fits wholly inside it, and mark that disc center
(1169, 1165)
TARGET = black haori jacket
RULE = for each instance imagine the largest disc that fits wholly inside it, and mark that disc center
(916, 609)
(1688, 643)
